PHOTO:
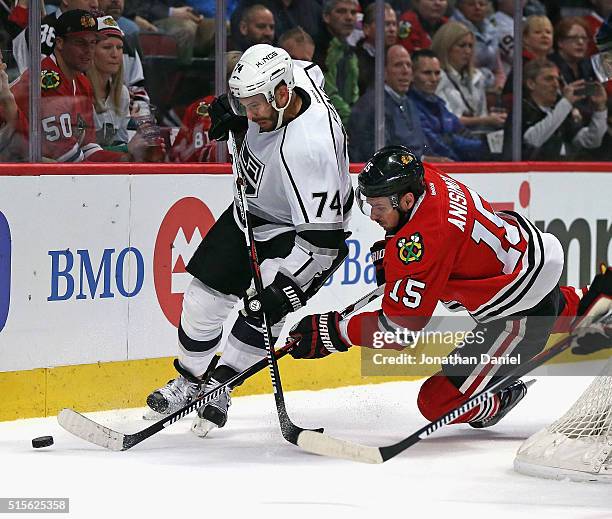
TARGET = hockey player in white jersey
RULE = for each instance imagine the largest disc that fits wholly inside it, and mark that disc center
(294, 156)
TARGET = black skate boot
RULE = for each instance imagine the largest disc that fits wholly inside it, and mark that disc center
(214, 413)
(508, 398)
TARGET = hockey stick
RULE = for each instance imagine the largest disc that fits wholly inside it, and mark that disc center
(289, 430)
(328, 446)
(88, 430)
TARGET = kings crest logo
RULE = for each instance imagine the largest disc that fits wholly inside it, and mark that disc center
(253, 170)
(411, 249)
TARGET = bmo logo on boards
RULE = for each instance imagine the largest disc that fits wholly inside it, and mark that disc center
(5, 270)
(180, 233)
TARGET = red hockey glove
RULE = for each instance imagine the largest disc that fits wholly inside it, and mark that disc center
(318, 335)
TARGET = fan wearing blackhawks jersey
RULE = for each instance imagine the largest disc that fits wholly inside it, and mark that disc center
(294, 157)
(445, 243)
(66, 111)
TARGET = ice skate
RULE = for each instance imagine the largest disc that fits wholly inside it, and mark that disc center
(214, 413)
(177, 393)
(508, 398)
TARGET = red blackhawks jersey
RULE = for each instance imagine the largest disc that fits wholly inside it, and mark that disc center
(412, 35)
(192, 143)
(457, 250)
(68, 130)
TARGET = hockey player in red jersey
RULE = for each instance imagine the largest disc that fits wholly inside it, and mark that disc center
(445, 243)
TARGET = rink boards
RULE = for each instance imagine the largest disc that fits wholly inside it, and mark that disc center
(92, 270)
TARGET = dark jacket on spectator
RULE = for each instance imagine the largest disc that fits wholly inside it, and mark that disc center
(444, 133)
(305, 14)
(568, 141)
(402, 125)
(365, 60)
(585, 71)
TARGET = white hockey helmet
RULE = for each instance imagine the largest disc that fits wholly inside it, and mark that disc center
(260, 70)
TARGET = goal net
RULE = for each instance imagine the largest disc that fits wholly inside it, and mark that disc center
(578, 446)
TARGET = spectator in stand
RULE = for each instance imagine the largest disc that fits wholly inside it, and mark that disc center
(194, 34)
(550, 130)
(365, 48)
(571, 55)
(474, 14)
(67, 99)
(402, 123)
(336, 58)
(298, 44)
(537, 44)
(418, 26)
(288, 14)
(537, 37)
(110, 95)
(17, 19)
(115, 8)
(603, 152)
(503, 21)
(462, 85)
(192, 143)
(595, 19)
(47, 32)
(133, 73)
(445, 136)
(256, 26)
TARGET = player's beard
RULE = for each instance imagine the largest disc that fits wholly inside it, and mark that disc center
(268, 122)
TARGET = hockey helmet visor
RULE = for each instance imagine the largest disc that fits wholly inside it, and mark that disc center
(259, 71)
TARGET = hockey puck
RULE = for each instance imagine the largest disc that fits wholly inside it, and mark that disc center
(42, 441)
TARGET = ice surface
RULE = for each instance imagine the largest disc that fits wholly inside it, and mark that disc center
(247, 470)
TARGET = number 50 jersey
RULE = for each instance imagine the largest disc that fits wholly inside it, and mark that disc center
(457, 250)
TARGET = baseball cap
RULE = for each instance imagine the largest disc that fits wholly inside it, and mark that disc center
(107, 26)
(76, 21)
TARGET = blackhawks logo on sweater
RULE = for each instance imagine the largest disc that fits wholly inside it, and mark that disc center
(49, 79)
(411, 249)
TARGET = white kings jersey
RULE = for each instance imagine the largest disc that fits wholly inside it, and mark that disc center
(298, 179)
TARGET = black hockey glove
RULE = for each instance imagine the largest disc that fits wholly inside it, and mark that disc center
(593, 331)
(377, 254)
(223, 119)
(278, 299)
(318, 336)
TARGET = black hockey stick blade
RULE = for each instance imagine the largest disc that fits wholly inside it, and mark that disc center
(325, 445)
(93, 432)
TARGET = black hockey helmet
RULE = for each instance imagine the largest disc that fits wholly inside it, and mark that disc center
(392, 171)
